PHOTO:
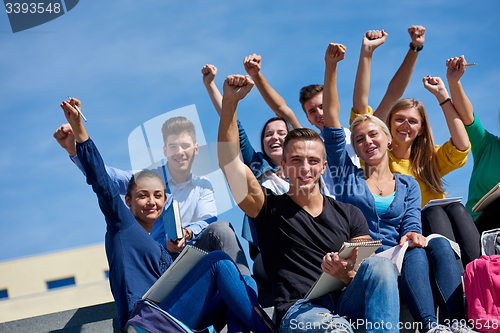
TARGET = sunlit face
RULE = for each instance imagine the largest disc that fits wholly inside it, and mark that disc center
(274, 136)
(406, 125)
(314, 111)
(370, 142)
(304, 164)
(147, 200)
(180, 151)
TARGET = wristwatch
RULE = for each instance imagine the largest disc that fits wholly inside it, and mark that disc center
(416, 49)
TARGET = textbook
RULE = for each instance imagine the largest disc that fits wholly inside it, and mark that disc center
(488, 198)
(327, 283)
(172, 222)
(396, 254)
(442, 202)
(187, 259)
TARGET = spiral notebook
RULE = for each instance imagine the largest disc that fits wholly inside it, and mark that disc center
(327, 283)
(187, 259)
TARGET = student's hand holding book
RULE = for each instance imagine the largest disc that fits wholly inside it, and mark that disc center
(342, 269)
(177, 246)
(417, 240)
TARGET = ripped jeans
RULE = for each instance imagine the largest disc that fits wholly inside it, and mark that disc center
(371, 301)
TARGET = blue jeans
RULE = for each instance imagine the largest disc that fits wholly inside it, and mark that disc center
(427, 271)
(212, 287)
(371, 299)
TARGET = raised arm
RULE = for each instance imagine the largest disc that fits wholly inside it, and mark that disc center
(274, 100)
(209, 72)
(456, 68)
(243, 184)
(334, 54)
(402, 77)
(65, 137)
(371, 40)
(459, 136)
(74, 119)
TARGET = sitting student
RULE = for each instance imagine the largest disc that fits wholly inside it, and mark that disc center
(485, 150)
(265, 165)
(136, 260)
(194, 194)
(413, 153)
(393, 212)
(298, 231)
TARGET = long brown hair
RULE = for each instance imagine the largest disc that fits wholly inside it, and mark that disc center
(423, 162)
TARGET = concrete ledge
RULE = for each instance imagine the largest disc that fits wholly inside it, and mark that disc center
(96, 318)
(103, 318)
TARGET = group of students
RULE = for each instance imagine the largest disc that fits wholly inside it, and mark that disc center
(303, 196)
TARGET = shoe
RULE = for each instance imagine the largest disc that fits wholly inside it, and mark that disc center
(461, 328)
(440, 329)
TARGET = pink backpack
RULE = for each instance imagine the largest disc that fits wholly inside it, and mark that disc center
(482, 290)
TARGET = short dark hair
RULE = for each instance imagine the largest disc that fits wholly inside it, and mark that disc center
(177, 125)
(289, 127)
(303, 134)
(308, 92)
(132, 184)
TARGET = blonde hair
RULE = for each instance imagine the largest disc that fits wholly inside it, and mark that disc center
(423, 153)
(368, 117)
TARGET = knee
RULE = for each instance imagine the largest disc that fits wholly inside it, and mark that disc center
(456, 209)
(217, 256)
(306, 317)
(415, 256)
(220, 228)
(380, 269)
(434, 214)
(437, 243)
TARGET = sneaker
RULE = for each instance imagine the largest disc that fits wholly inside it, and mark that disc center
(461, 328)
(440, 329)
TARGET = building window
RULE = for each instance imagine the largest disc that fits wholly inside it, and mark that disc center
(60, 283)
(3, 294)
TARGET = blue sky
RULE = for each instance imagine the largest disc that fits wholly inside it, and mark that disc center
(130, 61)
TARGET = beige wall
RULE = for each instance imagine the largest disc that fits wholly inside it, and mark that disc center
(26, 282)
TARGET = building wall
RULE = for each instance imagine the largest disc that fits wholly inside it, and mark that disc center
(26, 282)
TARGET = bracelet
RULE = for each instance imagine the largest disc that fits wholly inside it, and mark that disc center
(416, 49)
(446, 100)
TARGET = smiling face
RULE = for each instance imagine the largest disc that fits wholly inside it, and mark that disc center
(273, 139)
(370, 142)
(304, 164)
(406, 125)
(146, 200)
(180, 151)
(314, 111)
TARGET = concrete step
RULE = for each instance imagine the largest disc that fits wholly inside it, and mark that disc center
(103, 318)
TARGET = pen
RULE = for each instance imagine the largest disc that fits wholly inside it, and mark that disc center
(471, 64)
(78, 109)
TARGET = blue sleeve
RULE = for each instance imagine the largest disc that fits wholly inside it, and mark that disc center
(206, 209)
(247, 151)
(412, 220)
(120, 177)
(341, 166)
(114, 209)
